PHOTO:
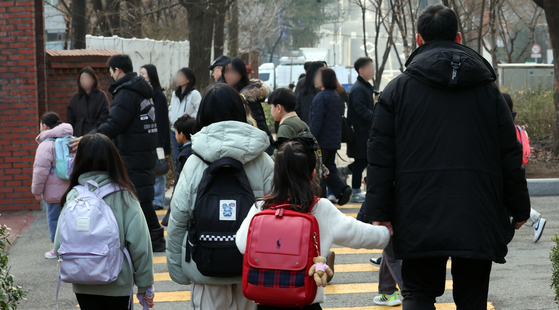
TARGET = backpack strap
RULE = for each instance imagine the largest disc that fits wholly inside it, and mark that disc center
(107, 190)
(225, 161)
(316, 200)
(202, 159)
(127, 254)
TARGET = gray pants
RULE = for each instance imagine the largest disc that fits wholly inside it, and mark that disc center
(390, 272)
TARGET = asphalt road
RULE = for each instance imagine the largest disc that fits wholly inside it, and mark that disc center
(522, 283)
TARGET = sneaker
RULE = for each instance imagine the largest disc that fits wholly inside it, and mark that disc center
(330, 263)
(344, 196)
(332, 199)
(50, 254)
(538, 229)
(388, 300)
(375, 261)
(357, 197)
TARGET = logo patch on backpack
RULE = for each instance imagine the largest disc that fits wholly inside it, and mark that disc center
(228, 210)
(82, 224)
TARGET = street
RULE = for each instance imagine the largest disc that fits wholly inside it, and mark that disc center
(520, 284)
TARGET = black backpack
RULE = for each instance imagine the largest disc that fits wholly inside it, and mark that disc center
(223, 202)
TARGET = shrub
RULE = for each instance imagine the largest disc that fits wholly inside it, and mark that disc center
(10, 294)
(535, 109)
(269, 118)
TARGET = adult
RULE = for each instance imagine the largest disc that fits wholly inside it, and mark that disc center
(217, 67)
(308, 91)
(326, 114)
(235, 74)
(360, 114)
(223, 132)
(301, 79)
(255, 94)
(163, 131)
(89, 107)
(445, 167)
(185, 100)
(132, 125)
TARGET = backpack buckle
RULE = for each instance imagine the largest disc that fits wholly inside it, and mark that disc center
(279, 212)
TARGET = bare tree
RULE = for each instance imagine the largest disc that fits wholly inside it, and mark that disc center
(233, 28)
(383, 20)
(362, 4)
(514, 18)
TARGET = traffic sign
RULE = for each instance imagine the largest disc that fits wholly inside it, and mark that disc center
(536, 49)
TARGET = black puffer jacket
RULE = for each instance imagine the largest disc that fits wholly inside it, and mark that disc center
(444, 162)
(326, 115)
(133, 126)
(360, 114)
(255, 94)
(162, 120)
(304, 101)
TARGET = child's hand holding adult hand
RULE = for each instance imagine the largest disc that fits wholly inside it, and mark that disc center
(148, 300)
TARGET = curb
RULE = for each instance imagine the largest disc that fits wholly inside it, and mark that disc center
(543, 187)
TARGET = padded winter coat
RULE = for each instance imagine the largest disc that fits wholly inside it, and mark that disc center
(237, 140)
(45, 180)
(325, 120)
(360, 114)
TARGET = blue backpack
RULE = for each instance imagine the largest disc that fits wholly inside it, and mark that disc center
(64, 158)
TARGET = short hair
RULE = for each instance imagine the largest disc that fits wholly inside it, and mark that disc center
(121, 61)
(284, 97)
(185, 125)
(508, 100)
(362, 62)
(329, 79)
(437, 22)
(307, 65)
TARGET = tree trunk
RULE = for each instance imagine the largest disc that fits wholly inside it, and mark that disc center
(363, 11)
(79, 24)
(551, 8)
(493, 4)
(480, 30)
(219, 28)
(200, 28)
(114, 20)
(233, 28)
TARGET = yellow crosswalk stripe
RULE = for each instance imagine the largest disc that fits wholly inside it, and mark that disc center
(354, 288)
(160, 259)
(350, 206)
(169, 296)
(161, 212)
(441, 306)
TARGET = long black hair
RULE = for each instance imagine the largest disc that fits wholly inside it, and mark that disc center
(189, 87)
(153, 76)
(96, 152)
(91, 72)
(308, 85)
(221, 102)
(239, 66)
(51, 119)
(293, 177)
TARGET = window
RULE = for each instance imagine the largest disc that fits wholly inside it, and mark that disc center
(264, 76)
(55, 36)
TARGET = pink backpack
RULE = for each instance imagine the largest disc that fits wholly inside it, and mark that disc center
(522, 136)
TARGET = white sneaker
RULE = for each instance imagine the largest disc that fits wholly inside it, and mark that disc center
(50, 254)
(538, 229)
(388, 300)
(357, 198)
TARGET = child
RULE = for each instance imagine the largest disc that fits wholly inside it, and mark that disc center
(97, 159)
(46, 185)
(184, 127)
(294, 172)
(282, 105)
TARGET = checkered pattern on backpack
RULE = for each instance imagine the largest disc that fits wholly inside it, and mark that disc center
(276, 278)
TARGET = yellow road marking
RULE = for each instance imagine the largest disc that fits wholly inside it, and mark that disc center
(354, 288)
(161, 276)
(351, 214)
(169, 296)
(161, 212)
(349, 206)
(363, 267)
(160, 259)
(442, 306)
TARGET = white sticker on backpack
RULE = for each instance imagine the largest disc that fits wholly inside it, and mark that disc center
(83, 224)
(227, 210)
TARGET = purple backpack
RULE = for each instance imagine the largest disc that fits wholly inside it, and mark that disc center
(90, 249)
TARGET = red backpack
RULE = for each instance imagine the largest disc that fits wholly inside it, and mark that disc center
(281, 245)
(522, 136)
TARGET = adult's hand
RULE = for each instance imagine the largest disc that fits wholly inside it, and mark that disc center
(149, 299)
(519, 224)
(74, 143)
(387, 225)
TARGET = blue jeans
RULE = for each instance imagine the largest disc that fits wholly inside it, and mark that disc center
(53, 213)
(175, 146)
(159, 188)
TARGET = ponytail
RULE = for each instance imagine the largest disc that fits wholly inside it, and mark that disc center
(51, 119)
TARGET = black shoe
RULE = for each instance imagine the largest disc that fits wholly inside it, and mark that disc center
(344, 196)
(375, 261)
(157, 208)
(158, 243)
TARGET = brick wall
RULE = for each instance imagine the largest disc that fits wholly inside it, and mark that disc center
(22, 65)
(63, 68)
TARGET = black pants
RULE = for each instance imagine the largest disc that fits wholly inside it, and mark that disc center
(310, 307)
(150, 215)
(424, 280)
(334, 182)
(96, 302)
(357, 168)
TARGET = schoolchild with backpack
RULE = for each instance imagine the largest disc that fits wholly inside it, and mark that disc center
(285, 229)
(102, 240)
(228, 169)
(46, 184)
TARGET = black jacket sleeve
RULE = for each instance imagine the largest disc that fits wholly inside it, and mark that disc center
(161, 118)
(357, 100)
(70, 116)
(104, 111)
(120, 116)
(381, 155)
(516, 196)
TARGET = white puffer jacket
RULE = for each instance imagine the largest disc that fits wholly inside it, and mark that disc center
(189, 105)
(233, 139)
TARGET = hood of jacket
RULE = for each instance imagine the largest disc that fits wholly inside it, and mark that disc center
(59, 131)
(133, 82)
(431, 64)
(256, 91)
(233, 139)
(101, 177)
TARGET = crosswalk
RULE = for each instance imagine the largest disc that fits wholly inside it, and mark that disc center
(353, 287)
